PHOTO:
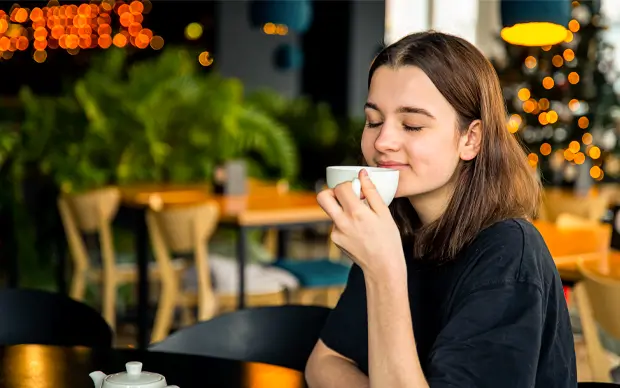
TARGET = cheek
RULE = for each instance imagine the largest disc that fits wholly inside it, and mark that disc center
(436, 157)
(368, 145)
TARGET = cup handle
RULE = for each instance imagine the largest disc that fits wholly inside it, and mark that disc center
(356, 185)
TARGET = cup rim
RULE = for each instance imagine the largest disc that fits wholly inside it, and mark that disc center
(357, 168)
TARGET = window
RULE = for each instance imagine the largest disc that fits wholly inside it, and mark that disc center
(611, 13)
(404, 17)
(458, 18)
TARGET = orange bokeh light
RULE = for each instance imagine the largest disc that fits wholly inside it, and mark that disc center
(119, 40)
(76, 27)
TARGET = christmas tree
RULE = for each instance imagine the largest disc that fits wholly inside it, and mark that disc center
(562, 104)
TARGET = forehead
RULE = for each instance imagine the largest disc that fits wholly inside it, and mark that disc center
(392, 88)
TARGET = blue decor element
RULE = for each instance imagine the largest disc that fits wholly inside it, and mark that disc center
(288, 57)
(295, 14)
(524, 11)
(316, 273)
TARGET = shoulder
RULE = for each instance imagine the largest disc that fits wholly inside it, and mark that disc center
(508, 251)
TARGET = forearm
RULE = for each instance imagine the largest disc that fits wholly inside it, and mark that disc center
(392, 355)
(335, 372)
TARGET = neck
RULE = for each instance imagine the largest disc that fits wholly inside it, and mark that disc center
(430, 206)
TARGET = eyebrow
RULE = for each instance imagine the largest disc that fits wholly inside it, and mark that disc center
(402, 109)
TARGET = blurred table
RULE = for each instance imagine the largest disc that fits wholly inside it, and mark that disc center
(265, 206)
(568, 246)
(36, 366)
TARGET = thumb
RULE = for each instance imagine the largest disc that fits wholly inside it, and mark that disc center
(370, 191)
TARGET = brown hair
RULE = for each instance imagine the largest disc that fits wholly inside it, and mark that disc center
(498, 183)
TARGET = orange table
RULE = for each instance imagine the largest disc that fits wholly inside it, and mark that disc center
(265, 205)
(568, 246)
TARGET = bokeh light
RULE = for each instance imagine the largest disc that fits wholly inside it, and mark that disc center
(74, 27)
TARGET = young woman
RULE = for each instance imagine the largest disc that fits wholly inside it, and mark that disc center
(452, 286)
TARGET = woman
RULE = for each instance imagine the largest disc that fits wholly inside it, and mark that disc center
(451, 286)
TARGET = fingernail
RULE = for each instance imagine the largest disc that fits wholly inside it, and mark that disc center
(364, 173)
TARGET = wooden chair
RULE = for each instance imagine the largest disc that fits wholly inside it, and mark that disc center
(555, 202)
(92, 213)
(322, 280)
(188, 229)
(319, 278)
(597, 299)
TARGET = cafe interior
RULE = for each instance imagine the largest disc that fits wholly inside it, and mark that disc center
(137, 234)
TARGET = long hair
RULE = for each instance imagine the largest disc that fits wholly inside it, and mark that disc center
(498, 183)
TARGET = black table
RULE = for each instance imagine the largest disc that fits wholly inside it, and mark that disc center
(37, 366)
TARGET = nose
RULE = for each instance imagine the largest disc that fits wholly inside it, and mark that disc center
(389, 139)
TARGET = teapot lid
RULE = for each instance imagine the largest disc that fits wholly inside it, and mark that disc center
(134, 376)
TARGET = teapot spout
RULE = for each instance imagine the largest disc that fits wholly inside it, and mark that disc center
(97, 378)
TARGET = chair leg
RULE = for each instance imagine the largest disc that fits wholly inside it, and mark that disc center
(109, 302)
(309, 296)
(187, 317)
(333, 295)
(78, 286)
(164, 314)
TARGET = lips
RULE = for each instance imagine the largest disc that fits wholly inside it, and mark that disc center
(391, 164)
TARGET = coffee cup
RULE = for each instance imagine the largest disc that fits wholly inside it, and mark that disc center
(385, 179)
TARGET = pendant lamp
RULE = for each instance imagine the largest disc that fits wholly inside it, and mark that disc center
(295, 14)
(534, 22)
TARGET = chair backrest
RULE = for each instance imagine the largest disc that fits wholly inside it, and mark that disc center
(276, 335)
(184, 229)
(45, 318)
(592, 207)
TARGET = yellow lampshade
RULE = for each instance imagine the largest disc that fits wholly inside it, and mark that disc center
(534, 34)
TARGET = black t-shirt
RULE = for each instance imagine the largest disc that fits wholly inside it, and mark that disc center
(495, 316)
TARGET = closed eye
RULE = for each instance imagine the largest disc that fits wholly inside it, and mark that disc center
(373, 125)
(410, 128)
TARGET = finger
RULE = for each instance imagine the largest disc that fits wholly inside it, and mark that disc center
(347, 197)
(372, 195)
(328, 202)
(337, 237)
(360, 175)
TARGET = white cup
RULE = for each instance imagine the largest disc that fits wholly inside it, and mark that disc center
(385, 179)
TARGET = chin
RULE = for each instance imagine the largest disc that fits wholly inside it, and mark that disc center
(412, 189)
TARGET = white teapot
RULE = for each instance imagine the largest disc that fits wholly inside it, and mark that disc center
(133, 378)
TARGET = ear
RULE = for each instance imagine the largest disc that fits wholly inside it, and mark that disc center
(469, 144)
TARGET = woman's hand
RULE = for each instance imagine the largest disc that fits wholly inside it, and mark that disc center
(367, 234)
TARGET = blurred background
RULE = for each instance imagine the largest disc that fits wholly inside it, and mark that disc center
(221, 97)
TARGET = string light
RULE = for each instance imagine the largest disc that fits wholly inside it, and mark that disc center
(275, 29)
(530, 62)
(583, 122)
(573, 25)
(205, 58)
(573, 78)
(548, 82)
(569, 55)
(74, 28)
(596, 172)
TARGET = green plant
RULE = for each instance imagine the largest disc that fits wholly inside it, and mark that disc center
(311, 124)
(173, 123)
(318, 134)
(8, 140)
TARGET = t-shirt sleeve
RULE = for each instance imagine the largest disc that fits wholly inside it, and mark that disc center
(492, 338)
(347, 325)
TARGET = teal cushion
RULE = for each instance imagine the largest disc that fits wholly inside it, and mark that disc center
(316, 273)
